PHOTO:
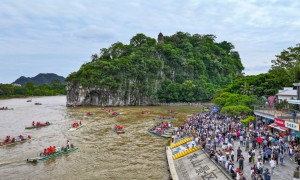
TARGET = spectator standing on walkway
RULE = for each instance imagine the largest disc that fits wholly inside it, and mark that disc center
(253, 155)
(298, 158)
(267, 175)
(241, 162)
(241, 140)
(273, 165)
(239, 152)
(294, 115)
(291, 152)
(268, 153)
(232, 155)
(227, 154)
(275, 156)
(281, 157)
(260, 167)
(250, 156)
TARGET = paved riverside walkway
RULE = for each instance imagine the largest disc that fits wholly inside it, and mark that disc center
(194, 166)
(282, 172)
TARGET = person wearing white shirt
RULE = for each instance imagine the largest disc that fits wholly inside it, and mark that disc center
(273, 165)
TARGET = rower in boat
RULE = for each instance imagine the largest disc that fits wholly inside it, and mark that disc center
(33, 124)
(118, 129)
(7, 139)
(75, 125)
(38, 123)
(68, 144)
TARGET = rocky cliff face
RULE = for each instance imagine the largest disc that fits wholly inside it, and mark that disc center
(97, 96)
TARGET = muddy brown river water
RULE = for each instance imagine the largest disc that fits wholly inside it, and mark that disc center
(102, 154)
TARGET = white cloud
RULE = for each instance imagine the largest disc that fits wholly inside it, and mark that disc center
(61, 28)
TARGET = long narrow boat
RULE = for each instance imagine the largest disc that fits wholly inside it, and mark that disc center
(168, 118)
(118, 131)
(6, 109)
(172, 112)
(41, 125)
(46, 158)
(159, 135)
(13, 143)
(73, 129)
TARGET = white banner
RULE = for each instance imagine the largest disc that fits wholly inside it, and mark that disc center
(292, 125)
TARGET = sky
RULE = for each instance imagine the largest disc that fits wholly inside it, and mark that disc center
(58, 36)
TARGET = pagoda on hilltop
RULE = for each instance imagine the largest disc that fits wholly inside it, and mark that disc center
(160, 38)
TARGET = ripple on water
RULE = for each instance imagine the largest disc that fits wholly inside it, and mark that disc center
(102, 154)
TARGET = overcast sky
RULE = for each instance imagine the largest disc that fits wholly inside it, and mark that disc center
(58, 36)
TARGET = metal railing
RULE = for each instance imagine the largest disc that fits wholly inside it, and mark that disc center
(285, 114)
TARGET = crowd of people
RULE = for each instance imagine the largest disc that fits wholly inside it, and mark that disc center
(218, 135)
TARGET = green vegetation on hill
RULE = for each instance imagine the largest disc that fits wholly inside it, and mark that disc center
(248, 91)
(42, 78)
(30, 89)
(181, 67)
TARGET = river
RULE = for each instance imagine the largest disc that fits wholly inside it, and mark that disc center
(102, 154)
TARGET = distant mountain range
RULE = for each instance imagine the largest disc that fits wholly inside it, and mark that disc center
(42, 78)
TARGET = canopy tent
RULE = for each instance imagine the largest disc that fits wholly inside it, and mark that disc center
(278, 127)
(296, 133)
(216, 109)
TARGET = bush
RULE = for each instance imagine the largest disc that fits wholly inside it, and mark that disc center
(247, 119)
(235, 110)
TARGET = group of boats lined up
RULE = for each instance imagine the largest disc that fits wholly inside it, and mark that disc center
(8, 141)
(163, 130)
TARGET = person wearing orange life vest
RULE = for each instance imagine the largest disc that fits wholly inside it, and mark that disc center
(48, 151)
